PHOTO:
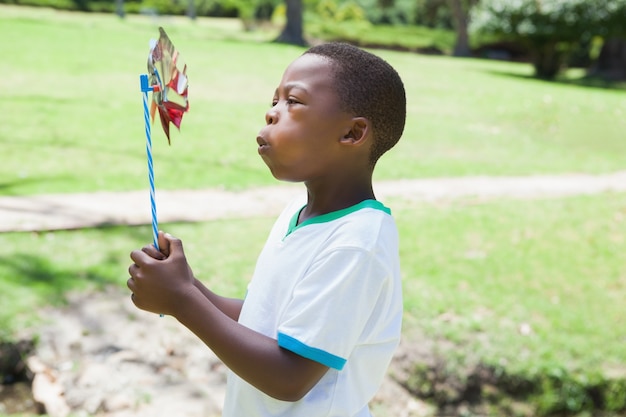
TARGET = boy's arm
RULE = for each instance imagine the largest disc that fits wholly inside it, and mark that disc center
(256, 358)
(229, 306)
(166, 285)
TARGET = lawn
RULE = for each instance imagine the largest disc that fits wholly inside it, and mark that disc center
(532, 284)
(531, 287)
(71, 117)
(473, 273)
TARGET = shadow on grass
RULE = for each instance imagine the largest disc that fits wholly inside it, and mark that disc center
(17, 188)
(46, 280)
(7, 187)
(586, 81)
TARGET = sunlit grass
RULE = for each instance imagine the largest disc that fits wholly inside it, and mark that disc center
(71, 118)
(525, 285)
(528, 285)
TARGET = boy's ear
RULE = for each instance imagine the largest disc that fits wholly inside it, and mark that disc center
(358, 133)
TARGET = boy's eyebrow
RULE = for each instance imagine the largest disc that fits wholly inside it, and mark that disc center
(295, 84)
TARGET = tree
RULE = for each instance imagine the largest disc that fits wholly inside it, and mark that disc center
(191, 9)
(293, 31)
(449, 14)
(550, 29)
(119, 8)
(611, 63)
(461, 17)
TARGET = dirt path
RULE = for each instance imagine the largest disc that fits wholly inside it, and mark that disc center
(71, 211)
(100, 356)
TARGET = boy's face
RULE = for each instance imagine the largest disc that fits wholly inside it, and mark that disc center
(301, 140)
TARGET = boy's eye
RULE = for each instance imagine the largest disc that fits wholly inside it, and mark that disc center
(293, 100)
(288, 101)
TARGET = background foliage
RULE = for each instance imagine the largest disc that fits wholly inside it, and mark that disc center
(552, 34)
(551, 29)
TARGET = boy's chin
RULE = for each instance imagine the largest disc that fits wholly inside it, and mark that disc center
(285, 175)
(287, 179)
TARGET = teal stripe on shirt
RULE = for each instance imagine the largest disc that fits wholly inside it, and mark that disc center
(334, 215)
(317, 355)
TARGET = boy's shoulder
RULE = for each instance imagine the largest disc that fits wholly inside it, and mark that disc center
(368, 228)
(363, 225)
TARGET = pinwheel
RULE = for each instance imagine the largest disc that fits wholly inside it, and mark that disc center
(168, 85)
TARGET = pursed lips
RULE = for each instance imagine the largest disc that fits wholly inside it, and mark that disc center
(262, 143)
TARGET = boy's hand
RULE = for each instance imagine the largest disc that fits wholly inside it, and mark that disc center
(164, 247)
(160, 280)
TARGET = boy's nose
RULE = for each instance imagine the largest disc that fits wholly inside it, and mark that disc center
(271, 116)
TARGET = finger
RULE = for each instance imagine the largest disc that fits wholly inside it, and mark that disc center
(139, 257)
(130, 283)
(134, 300)
(151, 251)
(133, 270)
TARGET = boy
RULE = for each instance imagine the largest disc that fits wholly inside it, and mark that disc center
(322, 314)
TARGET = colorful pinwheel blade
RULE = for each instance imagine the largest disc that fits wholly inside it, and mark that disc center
(170, 83)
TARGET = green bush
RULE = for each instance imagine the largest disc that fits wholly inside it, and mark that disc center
(389, 11)
(560, 392)
(350, 12)
(333, 12)
(107, 6)
(333, 20)
(551, 29)
(215, 8)
(168, 7)
(429, 13)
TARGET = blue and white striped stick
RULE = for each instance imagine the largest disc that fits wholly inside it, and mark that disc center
(145, 88)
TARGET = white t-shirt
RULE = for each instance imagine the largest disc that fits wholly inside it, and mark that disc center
(328, 289)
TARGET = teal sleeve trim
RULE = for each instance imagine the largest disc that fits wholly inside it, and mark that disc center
(317, 355)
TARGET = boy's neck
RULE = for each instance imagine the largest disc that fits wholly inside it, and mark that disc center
(336, 195)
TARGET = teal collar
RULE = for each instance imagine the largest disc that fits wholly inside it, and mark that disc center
(334, 215)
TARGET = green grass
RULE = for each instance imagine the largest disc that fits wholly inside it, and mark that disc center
(533, 290)
(474, 274)
(41, 268)
(399, 37)
(71, 117)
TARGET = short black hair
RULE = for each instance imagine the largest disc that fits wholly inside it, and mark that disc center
(369, 87)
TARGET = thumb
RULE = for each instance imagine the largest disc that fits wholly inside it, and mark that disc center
(173, 245)
(164, 244)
